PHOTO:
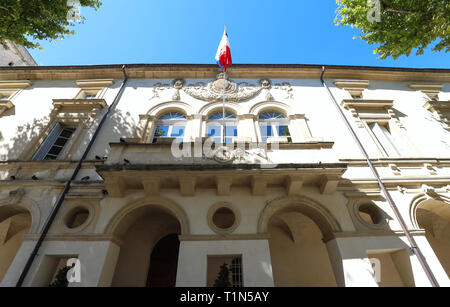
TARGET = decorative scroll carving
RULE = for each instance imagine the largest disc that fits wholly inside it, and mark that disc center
(285, 86)
(159, 87)
(430, 192)
(213, 91)
(225, 155)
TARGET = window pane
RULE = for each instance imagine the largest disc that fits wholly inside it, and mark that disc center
(214, 131)
(161, 131)
(67, 132)
(266, 131)
(219, 115)
(61, 142)
(172, 116)
(383, 137)
(271, 115)
(230, 131)
(283, 131)
(177, 131)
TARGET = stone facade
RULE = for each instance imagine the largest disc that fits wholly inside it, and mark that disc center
(292, 203)
(15, 55)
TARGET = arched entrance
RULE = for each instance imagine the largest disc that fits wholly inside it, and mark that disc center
(297, 227)
(164, 262)
(149, 251)
(15, 222)
(434, 217)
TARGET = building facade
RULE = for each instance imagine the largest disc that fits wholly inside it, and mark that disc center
(287, 200)
(15, 55)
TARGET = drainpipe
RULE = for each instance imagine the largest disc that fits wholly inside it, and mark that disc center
(388, 197)
(68, 184)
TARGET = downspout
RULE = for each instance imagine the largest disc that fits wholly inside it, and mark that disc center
(412, 242)
(68, 184)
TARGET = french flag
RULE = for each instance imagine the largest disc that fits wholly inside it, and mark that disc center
(223, 55)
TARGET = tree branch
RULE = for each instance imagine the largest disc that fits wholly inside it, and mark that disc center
(387, 8)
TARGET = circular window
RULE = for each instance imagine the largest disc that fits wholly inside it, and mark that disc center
(223, 218)
(77, 217)
(370, 214)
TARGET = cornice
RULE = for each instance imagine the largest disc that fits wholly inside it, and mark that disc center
(87, 104)
(437, 105)
(95, 83)
(367, 103)
(15, 84)
(167, 71)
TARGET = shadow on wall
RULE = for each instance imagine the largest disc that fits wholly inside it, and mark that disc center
(118, 125)
(23, 136)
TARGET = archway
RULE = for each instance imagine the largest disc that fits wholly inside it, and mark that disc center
(15, 222)
(434, 216)
(298, 228)
(164, 262)
(145, 230)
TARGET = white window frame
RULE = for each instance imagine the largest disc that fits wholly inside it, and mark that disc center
(388, 143)
(50, 141)
(274, 122)
(181, 121)
(230, 121)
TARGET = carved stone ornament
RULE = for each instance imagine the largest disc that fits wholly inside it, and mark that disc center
(227, 155)
(213, 91)
(430, 192)
(234, 92)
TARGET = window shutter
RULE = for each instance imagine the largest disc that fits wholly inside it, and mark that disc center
(48, 142)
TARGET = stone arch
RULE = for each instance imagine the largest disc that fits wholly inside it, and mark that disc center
(164, 204)
(270, 105)
(210, 107)
(19, 205)
(168, 106)
(425, 202)
(321, 216)
(431, 212)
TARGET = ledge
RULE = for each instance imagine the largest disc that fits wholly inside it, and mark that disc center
(303, 145)
(426, 86)
(367, 103)
(213, 167)
(95, 83)
(397, 161)
(88, 104)
(5, 105)
(224, 237)
(15, 84)
(437, 105)
(352, 83)
(163, 71)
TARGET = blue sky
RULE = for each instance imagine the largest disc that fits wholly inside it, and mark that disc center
(189, 31)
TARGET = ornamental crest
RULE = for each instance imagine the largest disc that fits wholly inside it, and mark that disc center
(214, 90)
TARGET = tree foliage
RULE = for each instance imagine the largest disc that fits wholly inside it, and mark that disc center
(23, 21)
(223, 279)
(404, 25)
(61, 278)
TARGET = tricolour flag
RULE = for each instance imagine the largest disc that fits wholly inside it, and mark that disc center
(223, 55)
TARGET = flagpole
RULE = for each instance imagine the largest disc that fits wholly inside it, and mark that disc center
(224, 91)
(223, 108)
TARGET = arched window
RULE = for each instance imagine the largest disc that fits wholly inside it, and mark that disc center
(170, 125)
(273, 124)
(215, 129)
